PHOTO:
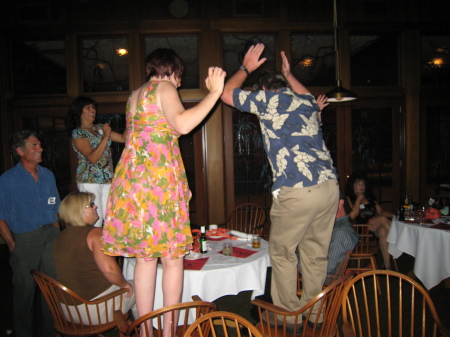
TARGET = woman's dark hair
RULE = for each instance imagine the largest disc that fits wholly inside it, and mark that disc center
(73, 119)
(163, 62)
(271, 80)
(18, 141)
(354, 178)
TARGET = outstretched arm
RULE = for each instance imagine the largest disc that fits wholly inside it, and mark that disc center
(293, 82)
(251, 63)
(184, 121)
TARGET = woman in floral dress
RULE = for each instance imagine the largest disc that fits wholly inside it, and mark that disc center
(148, 207)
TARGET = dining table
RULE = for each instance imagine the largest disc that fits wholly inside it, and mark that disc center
(213, 275)
(428, 243)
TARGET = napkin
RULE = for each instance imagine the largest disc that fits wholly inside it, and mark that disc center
(441, 225)
(195, 264)
(241, 235)
(241, 252)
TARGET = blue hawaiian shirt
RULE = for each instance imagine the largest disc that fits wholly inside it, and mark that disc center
(292, 136)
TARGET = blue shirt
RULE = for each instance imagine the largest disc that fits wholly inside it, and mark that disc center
(26, 204)
(343, 239)
(292, 136)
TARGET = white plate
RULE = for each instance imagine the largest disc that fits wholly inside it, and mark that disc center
(192, 256)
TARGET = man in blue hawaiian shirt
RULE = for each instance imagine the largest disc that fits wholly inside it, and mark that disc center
(305, 188)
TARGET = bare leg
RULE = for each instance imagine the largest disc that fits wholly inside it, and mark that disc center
(172, 284)
(381, 226)
(144, 288)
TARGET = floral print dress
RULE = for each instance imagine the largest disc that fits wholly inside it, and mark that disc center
(147, 214)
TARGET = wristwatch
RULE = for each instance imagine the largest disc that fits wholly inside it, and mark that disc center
(244, 68)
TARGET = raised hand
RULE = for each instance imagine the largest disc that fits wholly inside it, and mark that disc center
(251, 58)
(215, 80)
(322, 101)
(285, 67)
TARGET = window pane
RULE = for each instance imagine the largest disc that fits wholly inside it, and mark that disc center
(104, 68)
(252, 172)
(329, 130)
(187, 49)
(373, 149)
(435, 60)
(313, 59)
(437, 145)
(235, 47)
(39, 67)
(374, 60)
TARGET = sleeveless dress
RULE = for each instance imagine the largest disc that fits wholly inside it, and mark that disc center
(148, 207)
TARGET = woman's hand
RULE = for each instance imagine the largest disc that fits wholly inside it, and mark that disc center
(251, 58)
(215, 80)
(130, 289)
(322, 102)
(106, 130)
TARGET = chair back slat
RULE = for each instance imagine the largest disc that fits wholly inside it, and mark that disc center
(317, 318)
(73, 315)
(152, 324)
(222, 323)
(387, 303)
(247, 218)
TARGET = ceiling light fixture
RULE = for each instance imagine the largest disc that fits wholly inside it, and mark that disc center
(338, 94)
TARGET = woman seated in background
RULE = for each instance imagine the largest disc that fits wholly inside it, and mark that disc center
(363, 208)
(80, 262)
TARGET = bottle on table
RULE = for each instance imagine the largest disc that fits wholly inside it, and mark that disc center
(203, 241)
(401, 212)
(407, 207)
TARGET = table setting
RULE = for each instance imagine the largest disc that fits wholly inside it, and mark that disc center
(215, 274)
(428, 241)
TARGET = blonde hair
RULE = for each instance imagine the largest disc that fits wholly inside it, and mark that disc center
(71, 209)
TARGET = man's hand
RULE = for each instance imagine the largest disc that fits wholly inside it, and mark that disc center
(251, 58)
(285, 67)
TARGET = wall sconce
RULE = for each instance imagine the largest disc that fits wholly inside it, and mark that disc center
(338, 94)
(121, 51)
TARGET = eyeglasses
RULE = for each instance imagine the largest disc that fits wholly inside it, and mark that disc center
(91, 205)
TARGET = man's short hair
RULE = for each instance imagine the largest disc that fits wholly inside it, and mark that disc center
(271, 80)
(18, 141)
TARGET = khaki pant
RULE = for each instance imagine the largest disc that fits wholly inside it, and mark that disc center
(301, 218)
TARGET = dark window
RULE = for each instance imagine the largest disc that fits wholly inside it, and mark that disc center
(39, 67)
(435, 60)
(105, 64)
(374, 60)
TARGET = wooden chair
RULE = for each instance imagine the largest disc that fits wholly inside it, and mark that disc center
(331, 277)
(68, 318)
(247, 218)
(222, 323)
(193, 309)
(364, 255)
(404, 307)
(327, 304)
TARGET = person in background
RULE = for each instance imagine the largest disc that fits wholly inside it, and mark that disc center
(29, 225)
(363, 208)
(148, 209)
(305, 188)
(80, 262)
(343, 238)
(92, 144)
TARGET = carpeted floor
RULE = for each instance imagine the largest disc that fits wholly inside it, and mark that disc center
(239, 304)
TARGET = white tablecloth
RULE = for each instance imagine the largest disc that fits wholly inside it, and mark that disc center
(220, 276)
(429, 246)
